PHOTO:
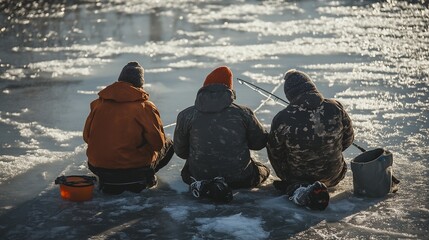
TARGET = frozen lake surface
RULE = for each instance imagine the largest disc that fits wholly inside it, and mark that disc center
(54, 57)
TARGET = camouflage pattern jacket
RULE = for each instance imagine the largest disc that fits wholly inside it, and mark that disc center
(215, 136)
(307, 139)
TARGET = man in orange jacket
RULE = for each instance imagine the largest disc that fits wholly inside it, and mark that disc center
(125, 136)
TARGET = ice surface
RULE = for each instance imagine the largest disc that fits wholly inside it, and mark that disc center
(56, 57)
(237, 226)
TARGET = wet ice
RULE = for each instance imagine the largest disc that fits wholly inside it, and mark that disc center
(372, 56)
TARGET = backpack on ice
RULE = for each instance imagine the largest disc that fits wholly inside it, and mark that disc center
(373, 174)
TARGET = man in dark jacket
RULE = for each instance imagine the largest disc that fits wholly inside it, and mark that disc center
(306, 142)
(215, 136)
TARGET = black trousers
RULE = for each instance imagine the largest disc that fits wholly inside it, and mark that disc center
(260, 174)
(116, 181)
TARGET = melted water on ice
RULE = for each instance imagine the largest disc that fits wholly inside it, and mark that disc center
(54, 58)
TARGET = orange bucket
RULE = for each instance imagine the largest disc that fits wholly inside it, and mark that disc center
(76, 188)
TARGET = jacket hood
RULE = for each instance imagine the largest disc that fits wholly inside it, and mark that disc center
(123, 92)
(308, 100)
(214, 98)
(300, 90)
(297, 83)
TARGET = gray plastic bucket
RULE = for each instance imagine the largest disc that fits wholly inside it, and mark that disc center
(372, 173)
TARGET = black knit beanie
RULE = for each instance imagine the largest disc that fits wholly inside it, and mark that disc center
(297, 83)
(132, 73)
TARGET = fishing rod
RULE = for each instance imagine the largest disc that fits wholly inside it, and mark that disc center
(264, 93)
(170, 125)
(261, 91)
(359, 147)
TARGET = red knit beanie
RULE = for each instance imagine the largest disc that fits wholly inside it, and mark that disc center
(222, 75)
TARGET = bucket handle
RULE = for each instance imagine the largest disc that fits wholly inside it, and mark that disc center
(86, 179)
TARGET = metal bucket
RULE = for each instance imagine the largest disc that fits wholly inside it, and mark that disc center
(372, 173)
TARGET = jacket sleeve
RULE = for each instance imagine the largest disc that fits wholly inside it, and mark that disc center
(153, 132)
(181, 136)
(88, 122)
(348, 133)
(256, 134)
(276, 149)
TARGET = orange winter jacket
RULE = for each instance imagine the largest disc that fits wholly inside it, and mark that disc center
(123, 129)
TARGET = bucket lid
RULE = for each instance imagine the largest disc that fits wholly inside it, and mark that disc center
(76, 180)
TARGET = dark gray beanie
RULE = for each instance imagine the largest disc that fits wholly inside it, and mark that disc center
(132, 73)
(297, 83)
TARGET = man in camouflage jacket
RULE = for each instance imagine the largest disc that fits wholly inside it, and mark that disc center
(215, 136)
(308, 137)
